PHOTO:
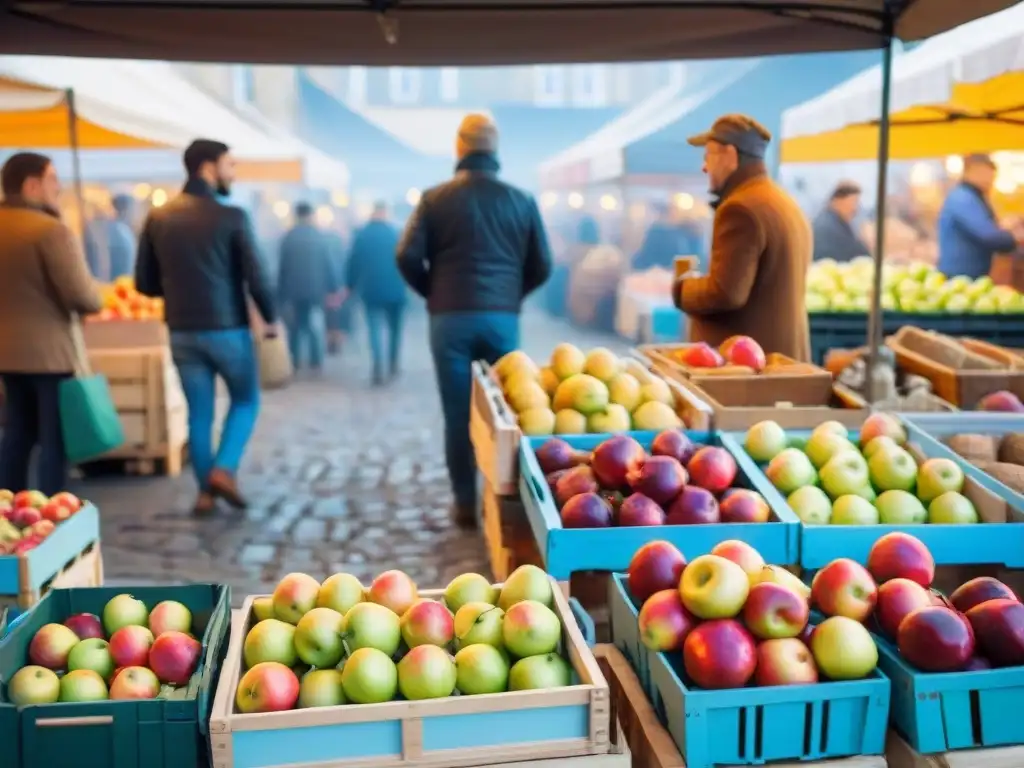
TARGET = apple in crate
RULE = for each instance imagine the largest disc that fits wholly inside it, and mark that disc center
(319, 638)
(527, 582)
(897, 598)
(741, 553)
(694, 506)
(938, 476)
(999, 629)
(469, 588)
(33, 685)
(785, 661)
(393, 590)
(122, 611)
(321, 688)
(743, 350)
(701, 355)
(51, 645)
(69, 500)
(369, 677)
(267, 687)
(54, 511)
(369, 625)
(34, 499)
(614, 459)
(844, 588)
(93, 654)
(936, 639)
(765, 440)
(426, 672)
(170, 616)
(26, 517)
(980, 590)
(294, 596)
(477, 623)
(481, 669)
(664, 622)
(539, 672)
(772, 611)
(882, 425)
(843, 649)
(586, 510)
(720, 654)
(674, 443)
(129, 646)
(712, 468)
(743, 506)
(135, 683)
(174, 656)
(428, 622)
(952, 508)
(660, 478)
(340, 592)
(899, 555)
(714, 588)
(791, 470)
(85, 625)
(83, 685)
(270, 640)
(656, 566)
(42, 529)
(530, 629)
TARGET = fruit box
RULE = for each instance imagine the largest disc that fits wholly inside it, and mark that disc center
(752, 726)
(435, 733)
(997, 539)
(494, 432)
(121, 334)
(23, 577)
(158, 733)
(941, 712)
(931, 430)
(567, 551)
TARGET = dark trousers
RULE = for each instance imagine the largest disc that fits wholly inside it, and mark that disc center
(381, 318)
(32, 418)
(305, 324)
(456, 340)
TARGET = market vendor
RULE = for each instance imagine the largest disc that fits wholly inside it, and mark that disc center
(760, 248)
(834, 235)
(969, 234)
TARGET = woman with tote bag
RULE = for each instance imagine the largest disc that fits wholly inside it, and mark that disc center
(44, 285)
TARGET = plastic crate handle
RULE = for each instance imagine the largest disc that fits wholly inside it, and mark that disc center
(66, 722)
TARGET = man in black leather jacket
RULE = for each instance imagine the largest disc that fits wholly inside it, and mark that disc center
(473, 248)
(201, 257)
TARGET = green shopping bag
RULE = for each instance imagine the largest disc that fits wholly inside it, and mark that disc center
(88, 418)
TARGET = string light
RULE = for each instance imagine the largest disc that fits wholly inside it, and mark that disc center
(142, 191)
(159, 198)
(608, 202)
(684, 201)
(412, 197)
(575, 200)
(548, 200)
(282, 209)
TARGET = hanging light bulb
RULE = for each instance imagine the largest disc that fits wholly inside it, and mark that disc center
(608, 202)
(282, 209)
(575, 200)
(159, 198)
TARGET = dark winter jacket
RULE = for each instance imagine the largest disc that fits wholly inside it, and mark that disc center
(306, 271)
(373, 273)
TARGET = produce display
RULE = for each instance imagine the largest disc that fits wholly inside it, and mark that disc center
(916, 287)
(679, 482)
(827, 479)
(130, 652)
(122, 302)
(28, 517)
(579, 392)
(913, 392)
(338, 642)
(739, 621)
(1001, 457)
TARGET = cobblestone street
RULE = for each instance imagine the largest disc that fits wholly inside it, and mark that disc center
(339, 476)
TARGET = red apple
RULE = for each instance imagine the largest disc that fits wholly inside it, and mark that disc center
(712, 468)
(51, 645)
(979, 590)
(701, 355)
(743, 506)
(743, 350)
(614, 459)
(901, 556)
(999, 628)
(785, 661)
(586, 510)
(174, 656)
(657, 565)
(69, 500)
(394, 590)
(25, 545)
(936, 639)
(267, 687)
(694, 506)
(844, 588)
(134, 683)
(674, 443)
(34, 499)
(773, 611)
(638, 509)
(573, 482)
(129, 646)
(741, 553)
(896, 599)
(556, 454)
(664, 622)
(26, 517)
(42, 528)
(85, 625)
(660, 478)
(719, 654)
(54, 511)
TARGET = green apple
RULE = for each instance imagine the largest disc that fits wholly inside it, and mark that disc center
(426, 672)
(867, 492)
(811, 504)
(713, 587)
(900, 508)
(369, 676)
(33, 685)
(82, 685)
(985, 305)
(880, 443)
(936, 477)
(319, 638)
(481, 669)
(478, 623)
(888, 302)
(535, 672)
(952, 508)
(790, 470)
(263, 608)
(980, 287)
(340, 592)
(531, 628)
(843, 649)
(958, 303)
(822, 446)
(527, 582)
(321, 688)
(844, 474)
(270, 640)
(840, 302)
(816, 302)
(369, 625)
(92, 653)
(893, 470)
(854, 510)
(765, 440)
(831, 428)
(469, 588)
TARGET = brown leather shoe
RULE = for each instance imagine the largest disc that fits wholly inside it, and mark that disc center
(223, 485)
(205, 505)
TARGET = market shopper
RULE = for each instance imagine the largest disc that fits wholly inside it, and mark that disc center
(968, 232)
(834, 236)
(44, 284)
(473, 248)
(372, 275)
(306, 278)
(200, 255)
(760, 248)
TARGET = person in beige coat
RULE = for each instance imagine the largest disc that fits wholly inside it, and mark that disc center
(44, 283)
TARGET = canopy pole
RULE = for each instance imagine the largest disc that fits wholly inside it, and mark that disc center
(875, 324)
(76, 161)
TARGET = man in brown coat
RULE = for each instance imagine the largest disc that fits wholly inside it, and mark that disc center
(44, 283)
(761, 247)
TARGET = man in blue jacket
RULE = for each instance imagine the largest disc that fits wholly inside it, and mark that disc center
(474, 248)
(968, 232)
(372, 275)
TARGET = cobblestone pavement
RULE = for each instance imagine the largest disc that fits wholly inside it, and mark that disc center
(340, 477)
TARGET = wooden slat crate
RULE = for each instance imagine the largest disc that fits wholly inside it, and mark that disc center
(510, 540)
(147, 392)
(494, 432)
(902, 755)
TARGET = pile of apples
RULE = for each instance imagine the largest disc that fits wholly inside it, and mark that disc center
(979, 626)
(737, 620)
(125, 655)
(829, 479)
(679, 483)
(121, 301)
(28, 517)
(322, 645)
(576, 393)
(737, 351)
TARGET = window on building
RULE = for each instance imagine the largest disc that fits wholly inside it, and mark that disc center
(449, 84)
(244, 84)
(548, 85)
(357, 85)
(404, 85)
(589, 85)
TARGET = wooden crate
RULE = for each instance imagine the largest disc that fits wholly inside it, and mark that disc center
(494, 432)
(419, 734)
(85, 570)
(124, 334)
(507, 533)
(147, 392)
(902, 755)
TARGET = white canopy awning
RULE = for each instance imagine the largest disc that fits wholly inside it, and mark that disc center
(925, 75)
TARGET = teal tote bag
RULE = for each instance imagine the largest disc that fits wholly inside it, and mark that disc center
(88, 417)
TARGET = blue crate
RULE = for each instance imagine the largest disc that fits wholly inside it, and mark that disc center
(666, 325)
(929, 431)
(941, 712)
(981, 544)
(752, 726)
(69, 539)
(610, 549)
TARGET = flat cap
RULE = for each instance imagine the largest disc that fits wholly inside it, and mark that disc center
(740, 131)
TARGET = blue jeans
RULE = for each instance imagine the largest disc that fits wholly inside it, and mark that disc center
(202, 356)
(305, 323)
(379, 317)
(456, 340)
